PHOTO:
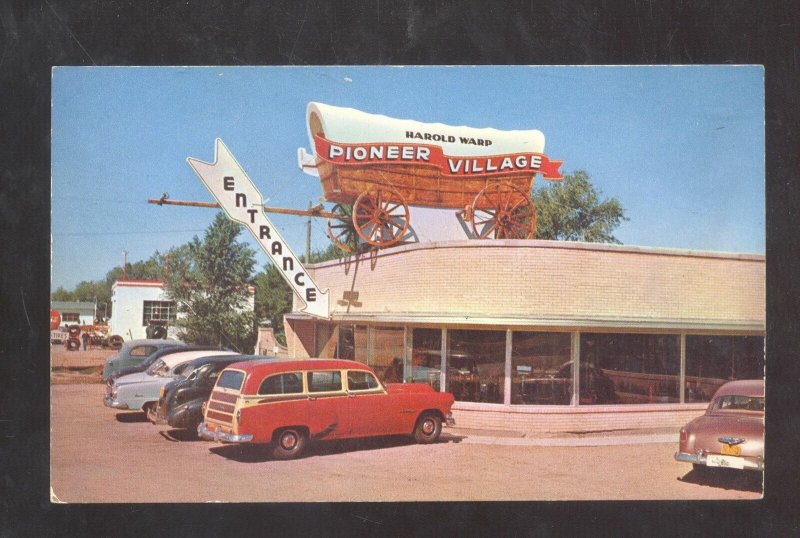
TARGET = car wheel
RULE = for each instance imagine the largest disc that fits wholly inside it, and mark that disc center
(428, 428)
(289, 443)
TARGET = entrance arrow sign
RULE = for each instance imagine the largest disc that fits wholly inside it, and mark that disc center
(241, 201)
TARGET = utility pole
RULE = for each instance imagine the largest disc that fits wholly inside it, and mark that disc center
(124, 264)
(308, 235)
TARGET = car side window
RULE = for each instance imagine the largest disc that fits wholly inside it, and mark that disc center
(360, 380)
(142, 351)
(291, 383)
(324, 381)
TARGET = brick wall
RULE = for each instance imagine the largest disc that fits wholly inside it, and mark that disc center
(548, 280)
(542, 420)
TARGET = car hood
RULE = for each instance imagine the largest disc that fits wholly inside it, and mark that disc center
(707, 429)
(134, 378)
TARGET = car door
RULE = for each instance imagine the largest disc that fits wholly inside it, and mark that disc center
(326, 400)
(370, 410)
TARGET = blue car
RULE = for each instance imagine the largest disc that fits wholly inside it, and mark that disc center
(134, 353)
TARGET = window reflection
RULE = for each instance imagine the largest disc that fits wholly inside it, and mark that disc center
(426, 357)
(714, 360)
(541, 370)
(476, 365)
(386, 353)
(629, 368)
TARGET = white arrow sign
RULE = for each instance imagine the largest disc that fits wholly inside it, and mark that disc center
(241, 201)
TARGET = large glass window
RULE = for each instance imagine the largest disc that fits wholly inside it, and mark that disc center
(386, 353)
(69, 317)
(353, 343)
(476, 365)
(158, 311)
(426, 357)
(714, 360)
(629, 368)
(541, 369)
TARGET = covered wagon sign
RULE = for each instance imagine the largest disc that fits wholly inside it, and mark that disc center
(381, 165)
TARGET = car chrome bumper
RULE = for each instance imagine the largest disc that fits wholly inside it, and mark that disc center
(154, 416)
(112, 403)
(701, 459)
(220, 436)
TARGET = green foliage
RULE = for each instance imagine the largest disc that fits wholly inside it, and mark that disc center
(209, 282)
(571, 210)
(274, 295)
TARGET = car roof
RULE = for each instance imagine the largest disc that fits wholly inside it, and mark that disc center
(218, 358)
(158, 342)
(742, 387)
(174, 359)
(257, 369)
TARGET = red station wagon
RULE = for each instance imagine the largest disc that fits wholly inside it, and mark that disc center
(288, 403)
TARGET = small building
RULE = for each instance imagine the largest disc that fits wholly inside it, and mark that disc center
(75, 312)
(546, 336)
(135, 304)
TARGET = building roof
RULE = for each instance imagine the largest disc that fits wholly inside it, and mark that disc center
(62, 306)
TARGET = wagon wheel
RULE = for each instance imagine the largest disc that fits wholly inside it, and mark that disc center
(341, 230)
(503, 212)
(381, 217)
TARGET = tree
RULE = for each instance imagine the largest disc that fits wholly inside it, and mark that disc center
(274, 296)
(571, 210)
(210, 286)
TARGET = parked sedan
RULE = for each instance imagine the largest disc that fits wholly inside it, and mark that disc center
(149, 361)
(287, 403)
(731, 432)
(181, 401)
(133, 353)
(140, 391)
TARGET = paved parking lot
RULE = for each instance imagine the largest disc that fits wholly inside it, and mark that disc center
(102, 455)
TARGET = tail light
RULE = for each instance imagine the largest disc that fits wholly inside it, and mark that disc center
(684, 435)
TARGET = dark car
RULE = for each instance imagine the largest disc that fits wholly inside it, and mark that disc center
(152, 358)
(181, 401)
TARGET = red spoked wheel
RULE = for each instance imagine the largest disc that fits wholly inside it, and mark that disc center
(381, 217)
(503, 212)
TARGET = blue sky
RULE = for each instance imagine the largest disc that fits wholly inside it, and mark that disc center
(681, 147)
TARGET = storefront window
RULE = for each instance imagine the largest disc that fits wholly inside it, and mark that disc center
(426, 357)
(629, 368)
(353, 343)
(541, 370)
(714, 360)
(386, 353)
(476, 365)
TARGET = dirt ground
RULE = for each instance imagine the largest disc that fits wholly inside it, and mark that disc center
(71, 367)
(102, 455)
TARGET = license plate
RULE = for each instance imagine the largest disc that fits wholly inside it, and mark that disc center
(731, 450)
(718, 460)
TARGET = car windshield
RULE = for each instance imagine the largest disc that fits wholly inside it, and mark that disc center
(182, 370)
(155, 367)
(736, 403)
